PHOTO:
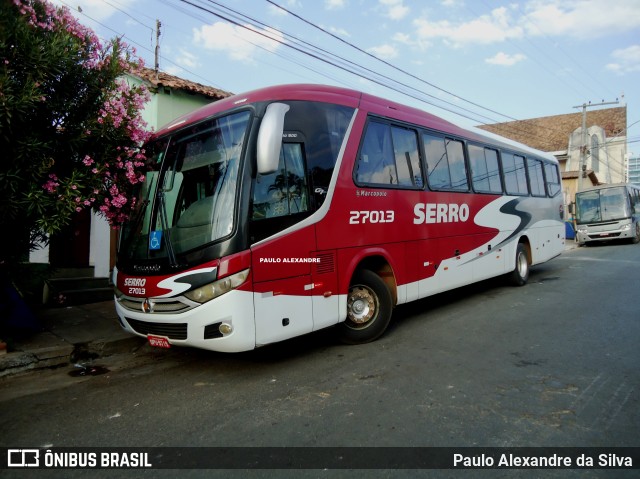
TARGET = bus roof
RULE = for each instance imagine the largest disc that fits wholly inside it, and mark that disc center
(355, 99)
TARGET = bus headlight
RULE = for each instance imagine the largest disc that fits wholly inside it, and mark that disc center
(217, 288)
(626, 227)
(582, 229)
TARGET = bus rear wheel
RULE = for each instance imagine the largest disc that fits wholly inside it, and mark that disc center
(520, 274)
(369, 307)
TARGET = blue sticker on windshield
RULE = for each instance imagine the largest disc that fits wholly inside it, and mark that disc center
(155, 240)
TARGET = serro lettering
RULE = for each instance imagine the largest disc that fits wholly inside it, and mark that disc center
(135, 281)
(440, 213)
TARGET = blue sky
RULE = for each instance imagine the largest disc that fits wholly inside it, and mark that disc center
(470, 61)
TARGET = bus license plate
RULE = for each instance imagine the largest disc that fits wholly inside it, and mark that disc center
(158, 341)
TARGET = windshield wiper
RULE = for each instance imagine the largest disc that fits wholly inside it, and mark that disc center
(133, 237)
(163, 221)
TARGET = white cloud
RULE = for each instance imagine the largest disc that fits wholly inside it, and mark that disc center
(486, 29)
(626, 60)
(239, 43)
(173, 70)
(289, 4)
(334, 4)
(552, 18)
(581, 18)
(505, 59)
(187, 59)
(341, 32)
(395, 9)
(411, 40)
(384, 52)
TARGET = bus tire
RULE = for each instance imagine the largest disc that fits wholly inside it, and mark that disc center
(636, 238)
(520, 274)
(369, 308)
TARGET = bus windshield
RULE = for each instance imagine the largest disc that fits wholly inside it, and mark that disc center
(188, 198)
(607, 204)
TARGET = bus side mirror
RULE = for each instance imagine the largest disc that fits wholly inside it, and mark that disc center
(270, 138)
(572, 208)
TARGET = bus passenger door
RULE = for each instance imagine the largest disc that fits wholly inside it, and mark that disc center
(281, 263)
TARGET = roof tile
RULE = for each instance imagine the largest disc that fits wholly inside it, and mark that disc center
(171, 81)
(551, 133)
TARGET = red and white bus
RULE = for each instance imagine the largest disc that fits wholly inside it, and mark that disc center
(289, 209)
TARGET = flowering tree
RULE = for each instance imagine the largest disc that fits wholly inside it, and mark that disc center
(70, 126)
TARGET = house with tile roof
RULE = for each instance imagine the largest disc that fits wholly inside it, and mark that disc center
(562, 136)
(85, 250)
(172, 96)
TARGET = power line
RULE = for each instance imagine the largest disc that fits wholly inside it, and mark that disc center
(131, 40)
(340, 39)
(319, 55)
(512, 128)
(335, 60)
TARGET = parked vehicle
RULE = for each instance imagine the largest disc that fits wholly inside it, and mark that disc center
(289, 209)
(608, 212)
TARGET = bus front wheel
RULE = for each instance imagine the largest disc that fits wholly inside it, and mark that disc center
(636, 238)
(369, 307)
(520, 274)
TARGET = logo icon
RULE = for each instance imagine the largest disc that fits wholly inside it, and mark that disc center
(147, 306)
(155, 240)
(23, 457)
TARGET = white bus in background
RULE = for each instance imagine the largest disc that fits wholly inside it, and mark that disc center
(608, 212)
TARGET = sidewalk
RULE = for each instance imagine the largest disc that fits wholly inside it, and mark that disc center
(70, 334)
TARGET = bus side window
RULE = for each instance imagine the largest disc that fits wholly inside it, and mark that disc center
(553, 179)
(536, 178)
(376, 164)
(445, 163)
(405, 147)
(485, 169)
(515, 177)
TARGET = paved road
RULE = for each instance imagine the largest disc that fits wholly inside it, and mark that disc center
(554, 363)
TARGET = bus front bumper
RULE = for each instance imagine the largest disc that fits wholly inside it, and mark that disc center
(224, 324)
(586, 234)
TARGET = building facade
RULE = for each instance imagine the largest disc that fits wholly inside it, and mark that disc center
(633, 171)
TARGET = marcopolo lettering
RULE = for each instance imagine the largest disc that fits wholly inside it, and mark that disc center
(440, 213)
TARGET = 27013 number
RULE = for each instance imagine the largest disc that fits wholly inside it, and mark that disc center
(362, 217)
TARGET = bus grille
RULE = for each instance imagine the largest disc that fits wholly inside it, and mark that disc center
(159, 306)
(326, 263)
(170, 330)
(604, 235)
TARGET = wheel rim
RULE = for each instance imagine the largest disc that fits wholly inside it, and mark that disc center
(362, 306)
(522, 265)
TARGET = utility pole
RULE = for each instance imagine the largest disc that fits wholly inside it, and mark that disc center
(584, 148)
(157, 52)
